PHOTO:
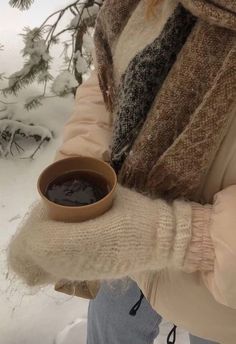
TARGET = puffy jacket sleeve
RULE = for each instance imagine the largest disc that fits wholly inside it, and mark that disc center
(214, 230)
(88, 131)
(222, 280)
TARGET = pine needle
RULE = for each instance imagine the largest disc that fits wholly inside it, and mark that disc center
(21, 4)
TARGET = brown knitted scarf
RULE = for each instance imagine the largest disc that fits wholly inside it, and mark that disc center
(169, 151)
(110, 22)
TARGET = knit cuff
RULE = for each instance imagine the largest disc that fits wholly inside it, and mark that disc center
(200, 255)
(182, 233)
(174, 233)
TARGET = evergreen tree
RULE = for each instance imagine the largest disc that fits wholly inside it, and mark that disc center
(38, 60)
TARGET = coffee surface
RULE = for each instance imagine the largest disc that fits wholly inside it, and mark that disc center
(77, 188)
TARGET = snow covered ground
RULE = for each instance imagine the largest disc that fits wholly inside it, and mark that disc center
(34, 316)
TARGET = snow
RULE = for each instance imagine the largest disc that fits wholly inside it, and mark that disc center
(73, 333)
(75, 21)
(81, 64)
(88, 42)
(89, 12)
(41, 134)
(36, 50)
(13, 22)
(64, 83)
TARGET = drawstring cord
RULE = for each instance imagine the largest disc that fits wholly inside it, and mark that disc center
(137, 305)
(172, 333)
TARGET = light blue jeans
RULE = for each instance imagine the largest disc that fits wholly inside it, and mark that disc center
(109, 321)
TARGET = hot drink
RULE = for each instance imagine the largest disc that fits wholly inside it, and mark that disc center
(78, 188)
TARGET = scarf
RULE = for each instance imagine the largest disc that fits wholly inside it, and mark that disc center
(173, 105)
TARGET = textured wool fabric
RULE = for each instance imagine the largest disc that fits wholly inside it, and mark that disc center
(110, 22)
(200, 241)
(137, 234)
(143, 79)
(190, 113)
(217, 12)
(180, 137)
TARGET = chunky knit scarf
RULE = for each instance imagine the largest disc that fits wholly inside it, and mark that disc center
(174, 102)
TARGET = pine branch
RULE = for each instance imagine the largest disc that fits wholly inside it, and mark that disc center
(11, 132)
(6, 103)
(44, 77)
(33, 102)
(21, 4)
(30, 36)
(24, 77)
(37, 48)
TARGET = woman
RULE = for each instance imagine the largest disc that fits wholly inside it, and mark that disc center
(166, 72)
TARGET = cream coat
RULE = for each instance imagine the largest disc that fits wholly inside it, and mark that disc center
(204, 304)
(179, 297)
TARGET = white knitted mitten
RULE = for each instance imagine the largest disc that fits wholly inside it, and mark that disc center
(137, 234)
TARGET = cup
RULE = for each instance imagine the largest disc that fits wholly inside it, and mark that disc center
(72, 165)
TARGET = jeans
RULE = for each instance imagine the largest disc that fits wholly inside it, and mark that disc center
(109, 321)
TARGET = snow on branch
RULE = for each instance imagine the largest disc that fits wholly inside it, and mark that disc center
(75, 39)
(37, 52)
(14, 136)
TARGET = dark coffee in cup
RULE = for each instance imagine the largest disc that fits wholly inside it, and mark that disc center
(77, 188)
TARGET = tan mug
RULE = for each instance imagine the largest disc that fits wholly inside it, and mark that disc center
(77, 213)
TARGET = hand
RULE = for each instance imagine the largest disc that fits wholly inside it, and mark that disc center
(109, 246)
(23, 264)
(137, 234)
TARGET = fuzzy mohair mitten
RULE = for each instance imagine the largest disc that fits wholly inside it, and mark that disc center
(137, 234)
